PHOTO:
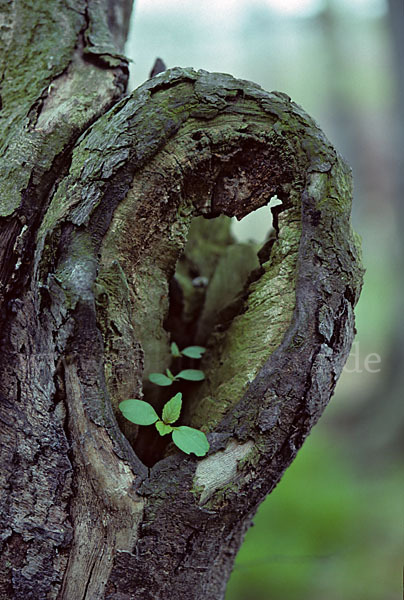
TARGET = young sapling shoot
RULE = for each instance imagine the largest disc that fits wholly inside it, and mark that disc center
(189, 351)
(187, 439)
(137, 411)
(187, 374)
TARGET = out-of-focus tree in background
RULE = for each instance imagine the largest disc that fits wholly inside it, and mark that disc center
(332, 527)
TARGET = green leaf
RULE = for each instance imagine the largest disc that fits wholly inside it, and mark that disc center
(190, 440)
(160, 379)
(193, 351)
(163, 428)
(191, 375)
(170, 375)
(139, 412)
(175, 351)
(172, 409)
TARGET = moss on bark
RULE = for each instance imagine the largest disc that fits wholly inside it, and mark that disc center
(105, 204)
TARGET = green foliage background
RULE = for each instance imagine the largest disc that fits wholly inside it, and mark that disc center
(325, 532)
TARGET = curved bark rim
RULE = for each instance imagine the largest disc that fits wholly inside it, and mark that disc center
(211, 96)
(256, 438)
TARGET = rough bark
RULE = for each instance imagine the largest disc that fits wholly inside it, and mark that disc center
(97, 196)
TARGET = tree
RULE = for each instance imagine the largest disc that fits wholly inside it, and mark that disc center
(98, 190)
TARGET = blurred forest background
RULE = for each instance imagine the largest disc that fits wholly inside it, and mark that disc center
(333, 526)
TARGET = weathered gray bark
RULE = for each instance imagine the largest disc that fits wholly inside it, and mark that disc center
(96, 200)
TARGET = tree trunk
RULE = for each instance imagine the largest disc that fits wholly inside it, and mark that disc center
(98, 191)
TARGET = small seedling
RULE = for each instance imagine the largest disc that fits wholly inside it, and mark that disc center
(187, 374)
(137, 411)
(189, 351)
(185, 438)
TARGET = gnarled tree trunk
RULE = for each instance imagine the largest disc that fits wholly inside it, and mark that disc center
(98, 191)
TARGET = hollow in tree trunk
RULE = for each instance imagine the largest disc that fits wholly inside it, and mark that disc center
(100, 192)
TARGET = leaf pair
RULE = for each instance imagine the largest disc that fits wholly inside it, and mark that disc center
(185, 438)
(169, 378)
(189, 351)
